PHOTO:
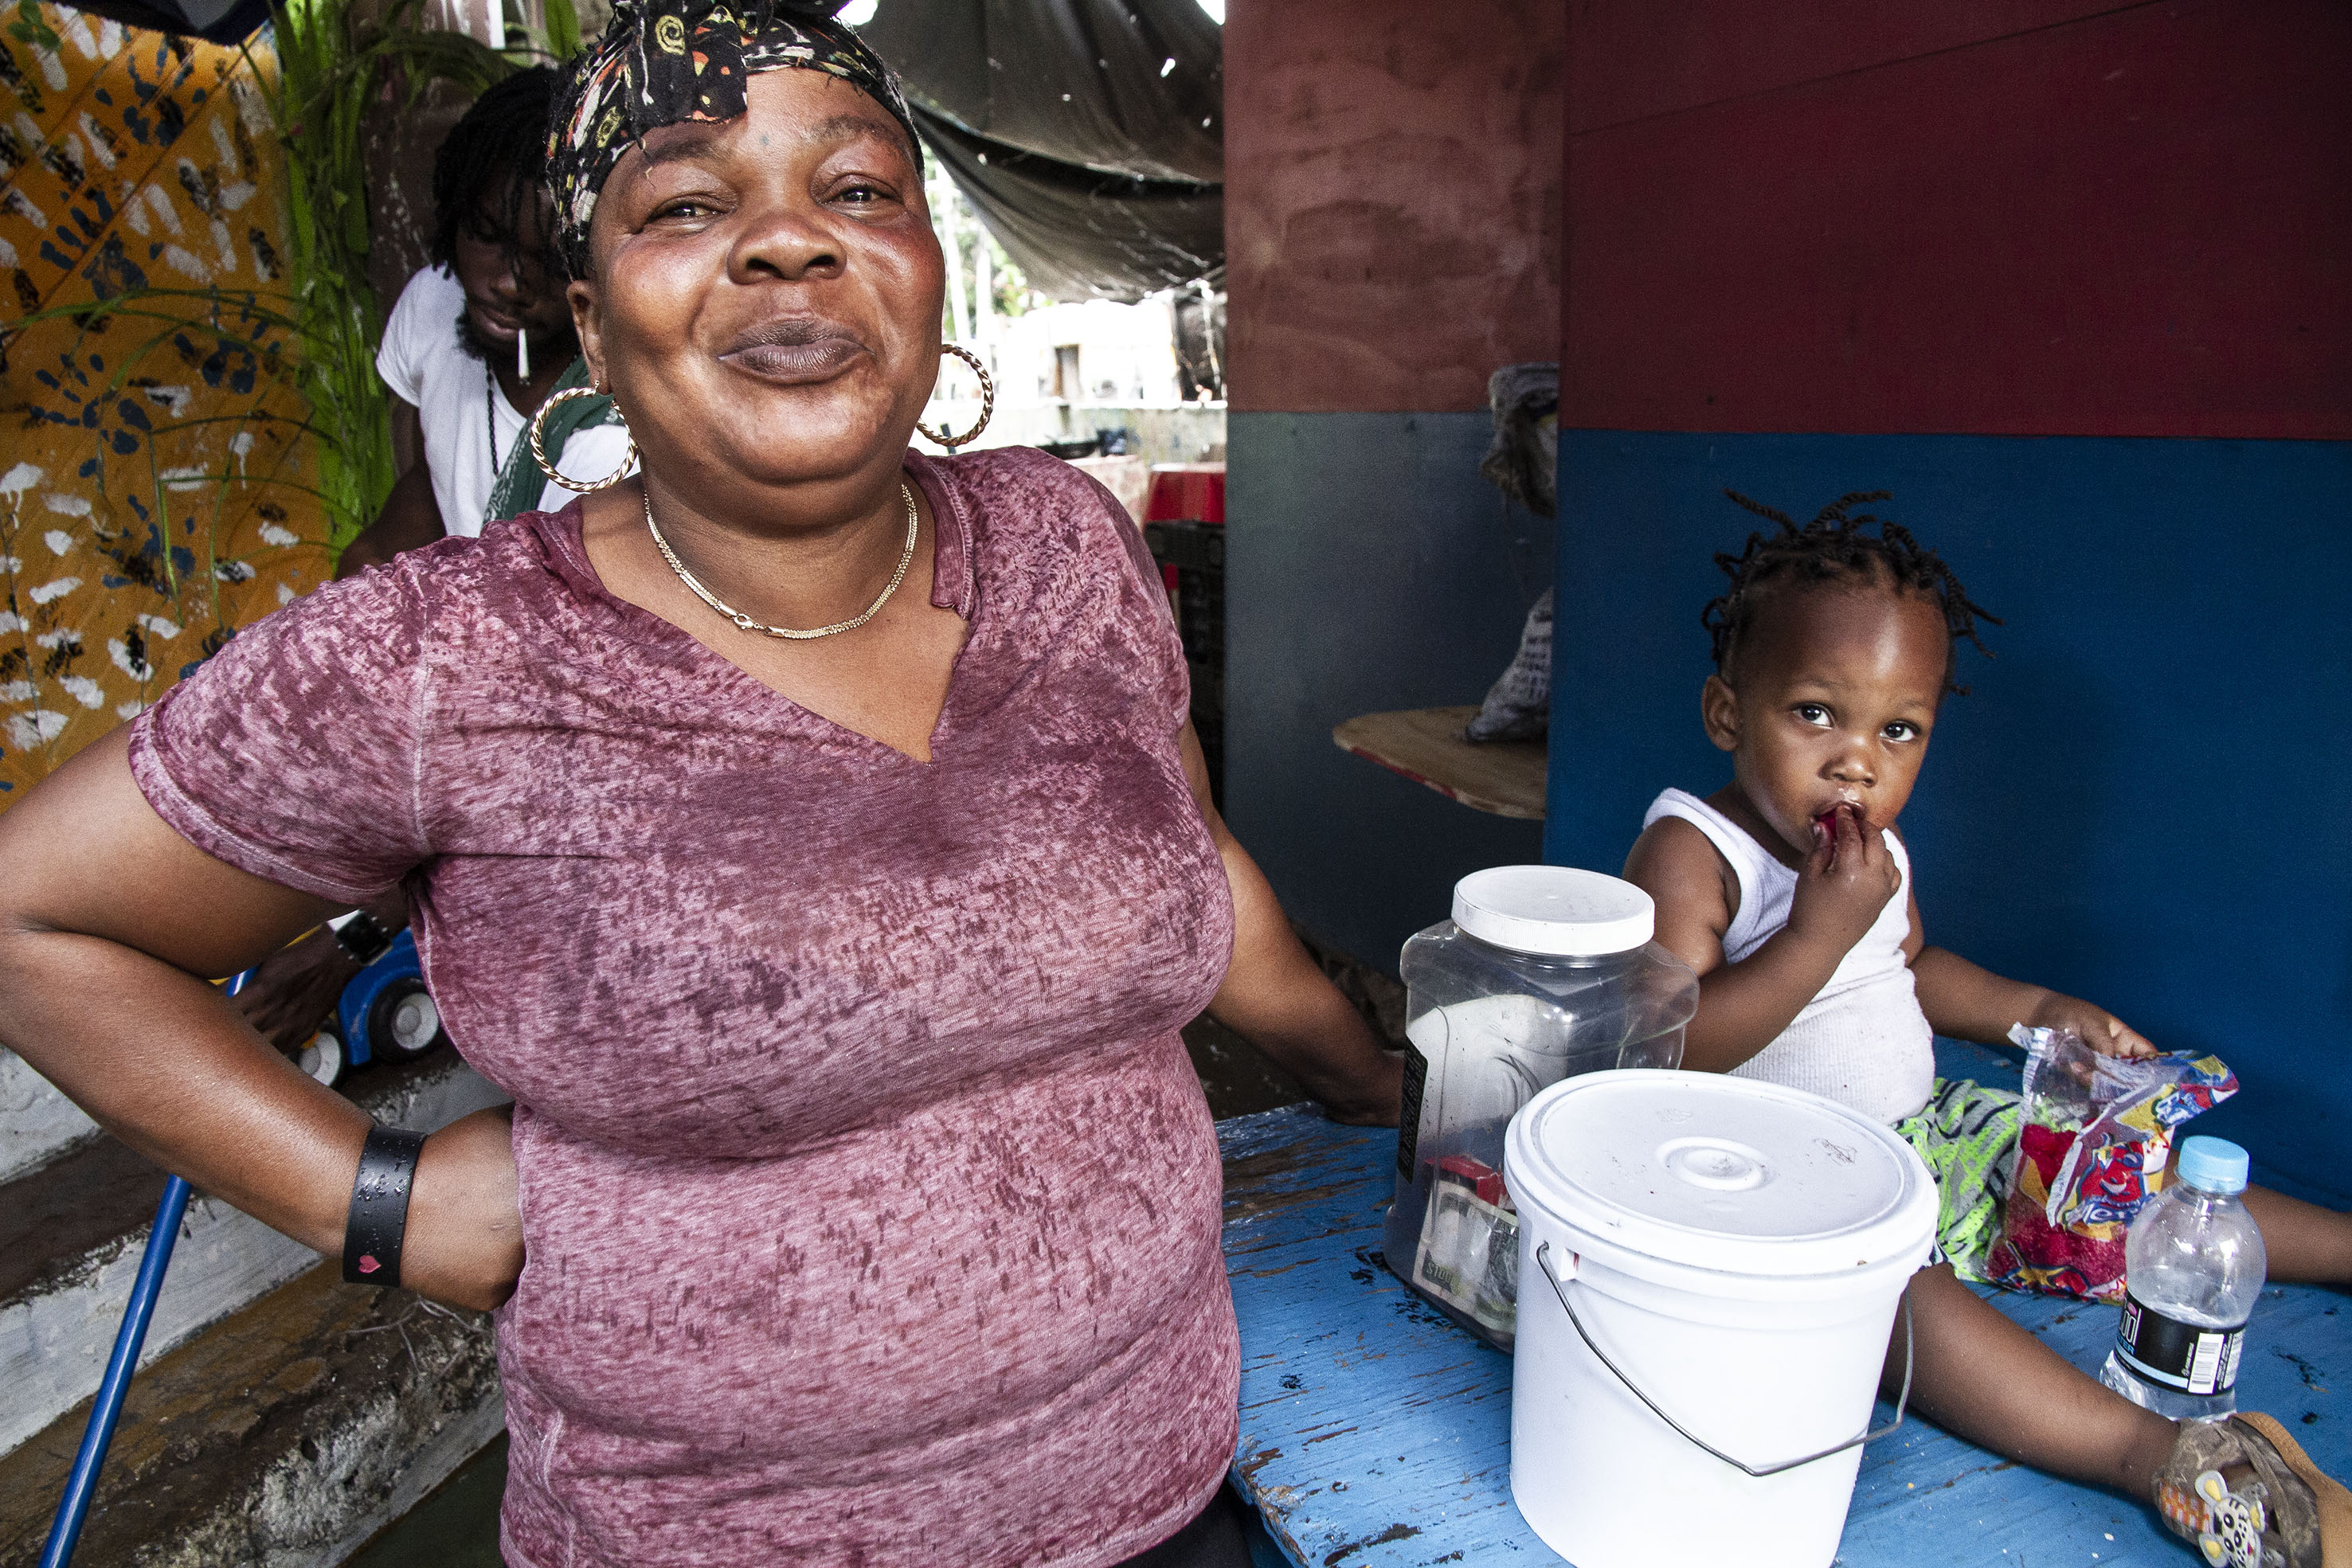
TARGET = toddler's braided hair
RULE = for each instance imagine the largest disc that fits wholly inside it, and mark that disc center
(1833, 548)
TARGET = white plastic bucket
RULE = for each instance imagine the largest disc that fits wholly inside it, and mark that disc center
(1737, 1251)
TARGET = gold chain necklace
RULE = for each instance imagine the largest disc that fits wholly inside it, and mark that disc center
(745, 622)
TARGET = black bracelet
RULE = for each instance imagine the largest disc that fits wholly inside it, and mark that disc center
(379, 1219)
(363, 938)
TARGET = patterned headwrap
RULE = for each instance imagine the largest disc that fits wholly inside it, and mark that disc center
(663, 61)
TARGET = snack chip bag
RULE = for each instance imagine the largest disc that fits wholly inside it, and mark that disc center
(2092, 1149)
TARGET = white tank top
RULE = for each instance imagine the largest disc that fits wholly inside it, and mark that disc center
(1863, 1041)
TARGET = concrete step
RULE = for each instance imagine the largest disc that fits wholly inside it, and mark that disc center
(285, 1435)
(37, 1122)
(72, 1230)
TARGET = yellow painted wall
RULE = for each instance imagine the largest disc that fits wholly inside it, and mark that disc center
(153, 472)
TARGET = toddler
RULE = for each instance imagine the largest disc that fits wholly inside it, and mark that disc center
(1789, 892)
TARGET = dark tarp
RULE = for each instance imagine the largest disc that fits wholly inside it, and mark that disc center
(1079, 233)
(1088, 134)
(214, 21)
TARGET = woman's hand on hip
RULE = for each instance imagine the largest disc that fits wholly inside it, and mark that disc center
(464, 1243)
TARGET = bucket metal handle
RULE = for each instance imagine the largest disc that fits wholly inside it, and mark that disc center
(1543, 1261)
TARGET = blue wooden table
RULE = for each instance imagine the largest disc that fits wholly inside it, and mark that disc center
(1375, 1434)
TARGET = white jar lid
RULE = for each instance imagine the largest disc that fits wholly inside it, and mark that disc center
(1724, 1173)
(1553, 909)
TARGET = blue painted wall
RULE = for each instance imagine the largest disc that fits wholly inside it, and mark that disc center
(2147, 797)
(1367, 568)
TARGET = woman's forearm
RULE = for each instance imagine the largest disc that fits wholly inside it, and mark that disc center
(166, 1063)
(1278, 998)
(1320, 1038)
(1292, 1013)
(108, 918)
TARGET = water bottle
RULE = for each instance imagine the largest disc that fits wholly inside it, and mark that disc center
(2193, 1265)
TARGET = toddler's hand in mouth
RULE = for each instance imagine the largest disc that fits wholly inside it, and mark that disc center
(1825, 824)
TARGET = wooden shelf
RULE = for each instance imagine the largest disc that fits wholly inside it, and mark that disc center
(1503, 778)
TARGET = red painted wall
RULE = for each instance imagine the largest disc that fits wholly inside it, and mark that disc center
(1392, 200)
(1995, 217)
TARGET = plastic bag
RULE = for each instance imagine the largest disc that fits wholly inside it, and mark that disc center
(2095, 1139)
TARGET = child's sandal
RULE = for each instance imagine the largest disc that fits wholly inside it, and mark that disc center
(2246, 1496)
(2330, 1496)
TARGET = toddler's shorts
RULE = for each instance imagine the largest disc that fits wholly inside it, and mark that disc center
(1968, 1135)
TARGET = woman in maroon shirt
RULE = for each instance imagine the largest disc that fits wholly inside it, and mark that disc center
(858, 1205)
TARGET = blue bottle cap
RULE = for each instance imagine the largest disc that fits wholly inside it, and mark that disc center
(2213, 1165)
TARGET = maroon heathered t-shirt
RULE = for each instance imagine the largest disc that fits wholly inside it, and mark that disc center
(870, 1201)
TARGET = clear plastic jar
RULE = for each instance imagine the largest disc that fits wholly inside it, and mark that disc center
(1544, 972)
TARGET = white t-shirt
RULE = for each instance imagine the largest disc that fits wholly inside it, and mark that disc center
(590, 453)
(457, 399)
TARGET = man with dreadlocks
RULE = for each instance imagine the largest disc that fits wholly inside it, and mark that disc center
(1789, 890)
(478, 338)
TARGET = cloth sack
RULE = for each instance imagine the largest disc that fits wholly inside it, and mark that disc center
(1519, 705)
(1523, 459)
(1523, 462)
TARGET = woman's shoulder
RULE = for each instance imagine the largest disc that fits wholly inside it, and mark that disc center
(1024, 476)
(1019, 501)
(454, 582)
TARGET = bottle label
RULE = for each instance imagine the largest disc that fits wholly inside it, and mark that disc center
(2190, 1357)
(1416, 1077)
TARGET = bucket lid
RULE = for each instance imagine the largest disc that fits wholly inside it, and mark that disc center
(1719, 1173)
(1553, 909)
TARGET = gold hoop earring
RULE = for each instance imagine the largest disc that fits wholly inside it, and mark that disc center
(547, 466)
(987, 400)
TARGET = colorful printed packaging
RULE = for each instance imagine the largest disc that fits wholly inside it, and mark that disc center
(2096, 1136)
